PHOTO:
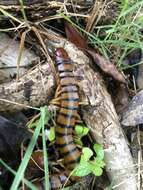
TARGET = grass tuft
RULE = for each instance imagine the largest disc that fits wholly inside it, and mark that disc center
(20, 173)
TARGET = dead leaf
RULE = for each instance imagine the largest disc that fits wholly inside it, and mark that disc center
(106, 66)
(75, 37)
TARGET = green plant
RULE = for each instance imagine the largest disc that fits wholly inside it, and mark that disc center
(87, 166)
(38, 127)
(119, 37)
(51, 135)
(80, 131)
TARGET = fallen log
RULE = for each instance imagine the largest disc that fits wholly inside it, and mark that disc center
(99, 113)
(33, 2)
(41, 11)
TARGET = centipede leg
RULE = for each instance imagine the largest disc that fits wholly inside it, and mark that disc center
(55, 102)
(78, 119)
(57, 98)
(83, 103)
(58, 92)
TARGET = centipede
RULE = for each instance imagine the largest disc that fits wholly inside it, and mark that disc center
(65, 121)
(69, 103)
(67, 114)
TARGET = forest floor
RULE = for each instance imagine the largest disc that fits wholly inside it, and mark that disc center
(97, 45)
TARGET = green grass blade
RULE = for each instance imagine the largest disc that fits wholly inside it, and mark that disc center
(24, 162)
(28, 183)
(23, 11)
(132, 8)
(43, 116)
(10, 15)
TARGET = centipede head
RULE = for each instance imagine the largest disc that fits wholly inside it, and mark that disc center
(59, 54)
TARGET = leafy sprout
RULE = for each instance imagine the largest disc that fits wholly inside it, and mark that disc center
(87, 166)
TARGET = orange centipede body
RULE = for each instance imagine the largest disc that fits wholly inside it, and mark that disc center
(69, 103)
(66, 117)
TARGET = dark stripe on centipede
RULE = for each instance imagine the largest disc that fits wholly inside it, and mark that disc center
(62, 134)
(67, 116)
(69, 83)
(64, 62)
(65, 144)
(70, 99)
(64, 71)
(68, 91)
(69, 107)
(66, 76)
(64, 126)
(70, 151)
(72, 93)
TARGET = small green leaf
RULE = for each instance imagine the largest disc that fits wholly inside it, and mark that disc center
(99, 162)
(51, 135)
(86, 154)
(96, 166)
(78, 129)
(99, 151)
(81, 130)
(97, 171)
(85, 131)
(82, 170)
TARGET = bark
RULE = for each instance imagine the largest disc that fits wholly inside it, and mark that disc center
(49, 6)
(99, 113)
(32, 2)
(40, 11)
